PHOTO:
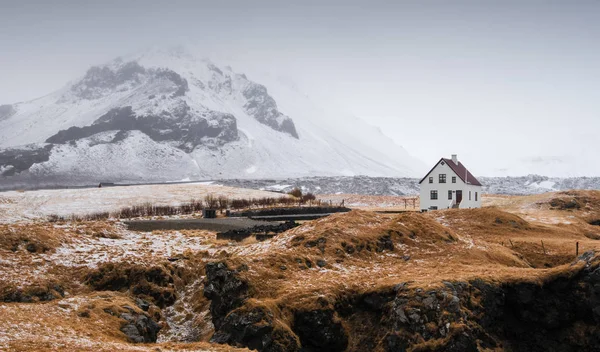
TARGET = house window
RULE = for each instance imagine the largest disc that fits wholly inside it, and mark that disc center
(449, 195)
(469, 195)
(433, 195)
(453, 179)
(475, 196)
(442, 178)
(430, 179)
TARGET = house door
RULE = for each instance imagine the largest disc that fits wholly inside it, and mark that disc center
(458, 197)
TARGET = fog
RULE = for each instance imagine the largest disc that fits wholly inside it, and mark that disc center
(511, 87)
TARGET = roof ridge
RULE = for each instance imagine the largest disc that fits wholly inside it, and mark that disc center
(459, 169)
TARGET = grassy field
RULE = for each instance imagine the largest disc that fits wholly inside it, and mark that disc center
(64, 283)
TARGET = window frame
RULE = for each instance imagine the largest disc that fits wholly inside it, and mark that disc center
(449, 194)
(453, 179)
(476, 196)
(430, 179)
(433, 194)
(442, 178)
(469, 195)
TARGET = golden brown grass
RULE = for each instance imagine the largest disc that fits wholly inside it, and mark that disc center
(312, 265)
(489, 243)
(88, 322)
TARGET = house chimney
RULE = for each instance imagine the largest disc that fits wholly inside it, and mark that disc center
(455, 159)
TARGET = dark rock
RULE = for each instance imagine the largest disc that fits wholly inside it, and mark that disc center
(225, 290)
(143, 304)
(101, 80)
(84, 314)
(377, 300)
(15, 160)
(155, 283)
(179, 125)
(321, 263)
(385, 243)
(320, 330)
(34, 293)
(563, 204)
(139, 328)
(31, 247)
(256, 329)
(263, 108)
(394, 342)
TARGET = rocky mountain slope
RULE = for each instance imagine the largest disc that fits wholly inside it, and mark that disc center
(166, 115)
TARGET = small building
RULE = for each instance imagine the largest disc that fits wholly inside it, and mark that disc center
(449, 185)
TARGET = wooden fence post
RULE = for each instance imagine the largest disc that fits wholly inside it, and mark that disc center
(576, 249)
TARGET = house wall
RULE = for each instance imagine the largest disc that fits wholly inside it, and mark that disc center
(443, 202)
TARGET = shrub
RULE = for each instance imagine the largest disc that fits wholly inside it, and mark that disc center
(308, 197)
(296, 192)
(211, 201)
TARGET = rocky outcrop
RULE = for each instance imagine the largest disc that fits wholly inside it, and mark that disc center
(256, 328)
(102, 80)
(156, 283)
(225, 290)
(32, 293)
(139, 327)
(263, 108)
(179, 126)
(15, 160)
(320, 330)
(561, 314)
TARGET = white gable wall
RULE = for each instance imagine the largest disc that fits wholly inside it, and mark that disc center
(442, 188)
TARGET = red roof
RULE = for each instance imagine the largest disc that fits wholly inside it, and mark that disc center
(460, 170)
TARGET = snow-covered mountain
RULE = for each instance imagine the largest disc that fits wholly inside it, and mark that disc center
(165, 115)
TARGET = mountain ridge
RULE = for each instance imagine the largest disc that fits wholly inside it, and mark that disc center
(164, 102)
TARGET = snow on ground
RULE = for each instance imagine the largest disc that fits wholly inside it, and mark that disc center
(32, 205)
(371, 202)
(140, 247)
(83, 250)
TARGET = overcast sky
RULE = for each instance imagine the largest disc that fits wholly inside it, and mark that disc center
(505, 84)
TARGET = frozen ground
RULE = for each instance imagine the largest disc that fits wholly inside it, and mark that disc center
(33, 205)
(395, 186)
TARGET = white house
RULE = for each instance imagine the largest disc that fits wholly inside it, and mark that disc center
(449, 185)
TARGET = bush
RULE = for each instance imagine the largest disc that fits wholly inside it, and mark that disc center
(308, 197)
(296, 192)
(211, 201)
(193, 206)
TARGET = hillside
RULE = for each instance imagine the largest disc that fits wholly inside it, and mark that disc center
(168, 115)
(504, 277)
